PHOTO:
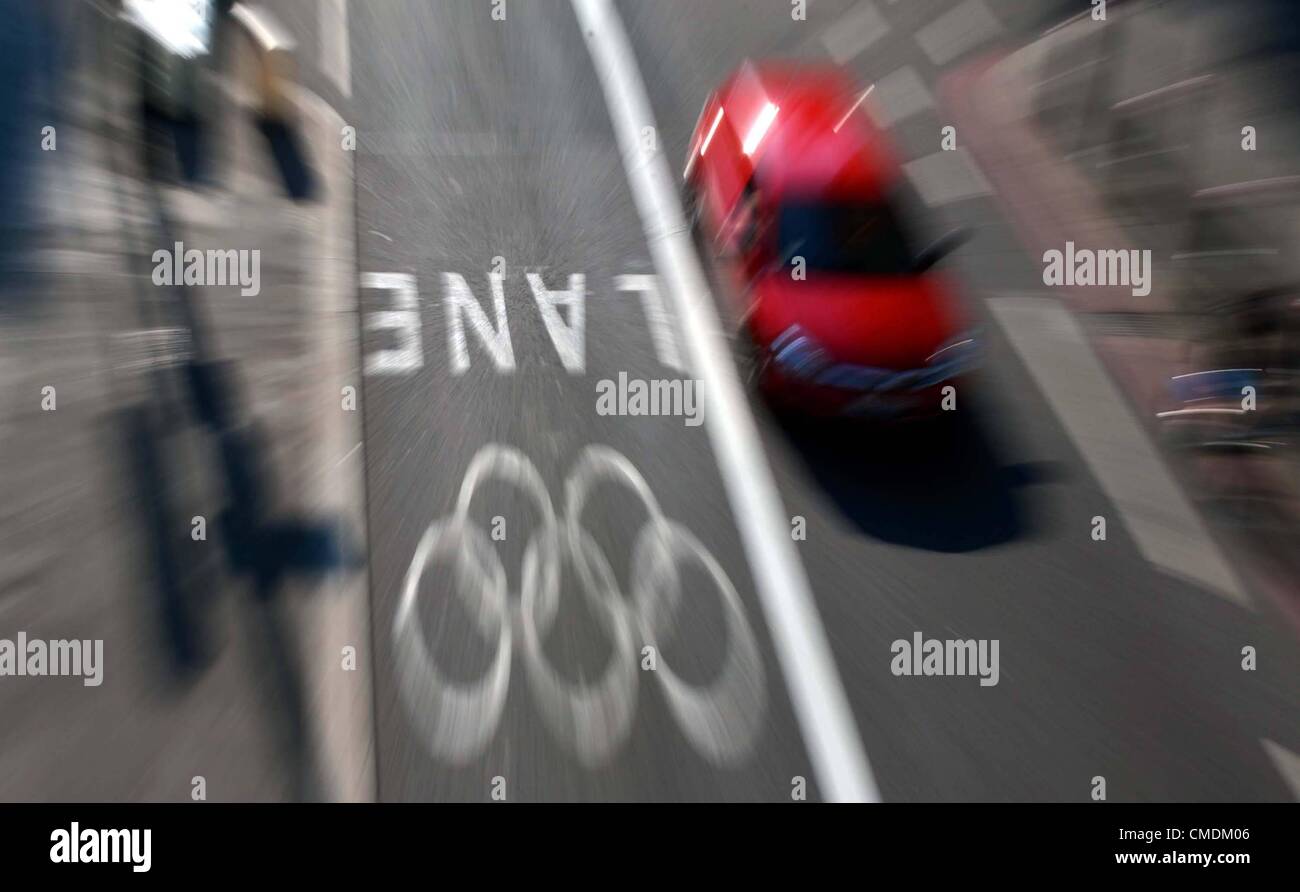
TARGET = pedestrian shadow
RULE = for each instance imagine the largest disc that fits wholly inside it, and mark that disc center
(935, 485)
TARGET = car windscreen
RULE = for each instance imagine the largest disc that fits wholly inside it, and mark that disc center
(857, 237)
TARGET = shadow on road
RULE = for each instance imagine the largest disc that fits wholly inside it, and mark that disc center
(935, 485)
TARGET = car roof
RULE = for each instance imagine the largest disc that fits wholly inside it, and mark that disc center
(816, 142)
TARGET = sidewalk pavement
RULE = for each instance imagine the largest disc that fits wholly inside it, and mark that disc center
(1002, 106)
(202, 677)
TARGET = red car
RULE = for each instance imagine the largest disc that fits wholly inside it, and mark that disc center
(798, 195)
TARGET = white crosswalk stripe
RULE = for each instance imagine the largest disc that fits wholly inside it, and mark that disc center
(899, 95)
(858, 29)
(962, 28)
(945, 177)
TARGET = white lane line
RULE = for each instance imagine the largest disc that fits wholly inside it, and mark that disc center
(335, 54)
(663, 330)
(945, 177)
(856, 30)
(961, 28)
(816, 692)
(1167, 530)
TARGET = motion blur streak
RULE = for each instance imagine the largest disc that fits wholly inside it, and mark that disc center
(994, 311)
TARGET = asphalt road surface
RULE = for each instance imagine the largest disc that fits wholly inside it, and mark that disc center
(515, 663)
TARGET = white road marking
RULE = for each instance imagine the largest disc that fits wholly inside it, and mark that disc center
(592, 720)
(459, 300)
(1287, 764)
(335, 53)
(856, 30)
(662, 330)
(961, 28)
(405, 320)
(563, 312)
(1165, 526)
(569, 337)
(945, 177)
(816, 692)
(898, 95)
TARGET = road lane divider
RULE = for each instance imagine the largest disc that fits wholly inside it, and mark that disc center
(816, 692)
